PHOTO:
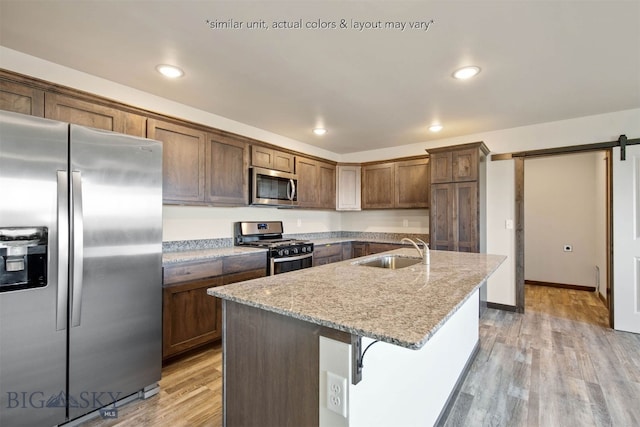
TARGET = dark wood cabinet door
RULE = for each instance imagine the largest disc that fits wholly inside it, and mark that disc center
(283, 161)
(441, 167)
(441, 222)
(464, 165)
(272, 159)
(190, 316)
(376, 248)
(412, 184)
(21, 99)
(308, 191)
(183, 161)
(378, 186)
(226, 172)
(85, 113)
(326, 186)
(466, 215)
(326, 254)
(359, 249)
(346, 251)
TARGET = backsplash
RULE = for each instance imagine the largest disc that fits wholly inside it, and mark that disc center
(190, 245)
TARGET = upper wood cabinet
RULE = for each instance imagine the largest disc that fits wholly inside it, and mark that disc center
(412, 184)
(378, 186)
(21, 99)
(272, 159)
(348, 197)
(227, 181)
(400, 184)
(201, 168)
(183, 161)
(458, 203)
(85, 113)
(326, 185)
(316, 183)
(456, 165)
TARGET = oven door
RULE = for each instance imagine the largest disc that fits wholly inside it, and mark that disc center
(291, 263)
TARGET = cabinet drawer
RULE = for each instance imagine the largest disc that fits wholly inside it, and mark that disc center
(240, 263)
(185, 272)
(327, 250)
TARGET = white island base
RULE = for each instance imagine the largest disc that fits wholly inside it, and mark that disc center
(400, 386)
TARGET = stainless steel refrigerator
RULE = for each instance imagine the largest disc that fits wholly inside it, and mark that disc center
(80, 269)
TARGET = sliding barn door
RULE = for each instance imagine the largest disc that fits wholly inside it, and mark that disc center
(626, 239)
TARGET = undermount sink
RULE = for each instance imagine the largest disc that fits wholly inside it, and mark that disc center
(392, 262)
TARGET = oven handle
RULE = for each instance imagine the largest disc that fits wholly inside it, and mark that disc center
(286, 259)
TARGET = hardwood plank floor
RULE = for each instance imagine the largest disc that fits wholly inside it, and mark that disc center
(556, 365)
(190, 395)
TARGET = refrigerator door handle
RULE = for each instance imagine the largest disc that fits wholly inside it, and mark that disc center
(77, 228)
(63, 250)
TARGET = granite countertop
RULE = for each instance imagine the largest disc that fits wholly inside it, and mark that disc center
(336, 240)
(206, 254)
(404, 307)
(187, 253)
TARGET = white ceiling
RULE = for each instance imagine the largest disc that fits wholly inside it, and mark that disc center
(541, 61)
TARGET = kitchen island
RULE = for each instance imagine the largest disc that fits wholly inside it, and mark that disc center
(285, 335)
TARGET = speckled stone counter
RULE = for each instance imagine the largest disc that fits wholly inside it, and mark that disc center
(404, 307)
(204, 254)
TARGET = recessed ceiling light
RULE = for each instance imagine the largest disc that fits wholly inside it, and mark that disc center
(170, 71)
(466, 72)
(435, 128)
(319, 131)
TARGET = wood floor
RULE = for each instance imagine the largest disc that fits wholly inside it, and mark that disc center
(556, 365)
(190, 395)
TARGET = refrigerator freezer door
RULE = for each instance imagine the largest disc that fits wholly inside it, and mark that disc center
(32, 350)
(115, 334)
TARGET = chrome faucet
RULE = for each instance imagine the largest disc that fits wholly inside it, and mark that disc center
(424, 253)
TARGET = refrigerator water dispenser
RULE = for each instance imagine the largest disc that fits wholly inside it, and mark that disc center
(23, 258)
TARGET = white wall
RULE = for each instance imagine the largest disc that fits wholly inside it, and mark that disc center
(387, 221)
(500, 190)
(560, 209)
(194, 222)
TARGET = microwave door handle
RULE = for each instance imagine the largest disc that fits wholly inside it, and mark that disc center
(289, 190)
(293, 189)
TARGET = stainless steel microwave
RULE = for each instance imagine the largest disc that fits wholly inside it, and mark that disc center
(273, 188)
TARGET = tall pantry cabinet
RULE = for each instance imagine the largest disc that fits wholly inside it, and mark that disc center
(458, 198)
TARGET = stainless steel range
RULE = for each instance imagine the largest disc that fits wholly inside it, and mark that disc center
(283, 254)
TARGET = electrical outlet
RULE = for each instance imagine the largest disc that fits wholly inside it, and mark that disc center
(405, 223)
(337, 394)
(567, 248)
(299, 222)
(508, 224)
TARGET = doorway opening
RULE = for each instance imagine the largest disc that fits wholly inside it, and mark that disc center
(563, 235)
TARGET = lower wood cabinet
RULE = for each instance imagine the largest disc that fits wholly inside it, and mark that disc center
(326, 254)
(191, 317)
(359, 249)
